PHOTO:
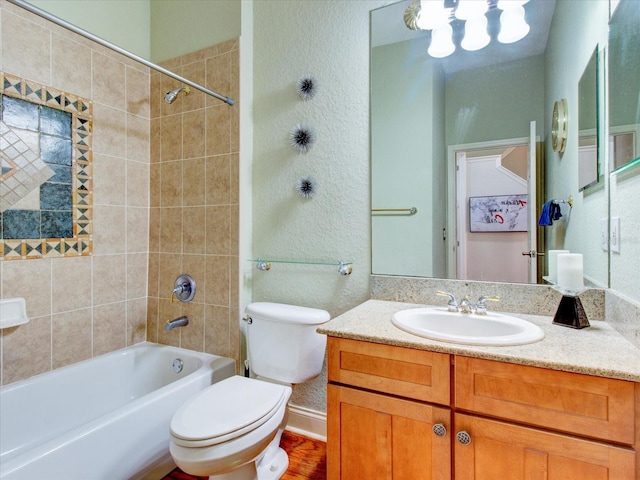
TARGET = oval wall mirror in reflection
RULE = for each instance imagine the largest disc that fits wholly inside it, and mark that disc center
(624, 84)
(588, 168)
(463, 138)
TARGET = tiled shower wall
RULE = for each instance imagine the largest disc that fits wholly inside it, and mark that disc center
(194, 203)
(85, 305)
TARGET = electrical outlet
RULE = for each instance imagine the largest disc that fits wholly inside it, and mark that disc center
(604, 234)
(615, 234)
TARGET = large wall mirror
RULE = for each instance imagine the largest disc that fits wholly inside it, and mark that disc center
(588, 165)
(461, 153)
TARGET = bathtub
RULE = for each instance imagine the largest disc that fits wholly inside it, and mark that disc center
(104, 418)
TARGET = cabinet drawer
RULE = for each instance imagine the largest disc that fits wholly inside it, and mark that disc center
(595, 407)
(405, 372)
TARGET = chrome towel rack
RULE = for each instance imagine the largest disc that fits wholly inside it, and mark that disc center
(344, 268)
(394, 211)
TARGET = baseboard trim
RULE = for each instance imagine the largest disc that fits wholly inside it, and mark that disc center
(307, 422)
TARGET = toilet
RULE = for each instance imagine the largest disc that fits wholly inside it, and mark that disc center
(232, 429)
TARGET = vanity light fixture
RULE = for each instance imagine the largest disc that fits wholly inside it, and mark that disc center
(436, 15)
(513, 26)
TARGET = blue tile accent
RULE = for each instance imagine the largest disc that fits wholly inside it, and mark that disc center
(55, 150)
(55, 122)
(55, 196)
(21, 224)
(21, 114)
(62, 174)
(57, 224)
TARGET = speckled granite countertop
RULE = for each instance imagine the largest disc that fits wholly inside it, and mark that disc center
(598, 350)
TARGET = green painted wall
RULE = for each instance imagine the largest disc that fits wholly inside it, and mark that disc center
(124, 23)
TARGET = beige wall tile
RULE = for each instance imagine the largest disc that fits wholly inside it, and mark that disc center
(154, 139)
(153, 275)
(156, 95)
(219, 73)
(154, 229)
(217, 330)
(171, 230)
(217, 280)
(26, 349)
(218, 120)
(71, 283)
(171, 137)
(234, 178)
(155, 187)
(193, 131)
(109, 224)
(196, 99)
(138, 138)
(218, 230)
(30, 279)
(137, 230)
(107, 85)
(136, 272)
(192, 336)
(109, 327)
(193, 233)
(109, 279)
(234, 230)
(109, 127)
(171, 184)
(152, 319)
(23, 39)
(218, 183)
(71, 337)
(194, 181)
(137, 183)
(138, 92)
(136, 321)
(76, 80)
(109, 180)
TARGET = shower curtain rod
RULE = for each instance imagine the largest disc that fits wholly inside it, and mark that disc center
(126, 53)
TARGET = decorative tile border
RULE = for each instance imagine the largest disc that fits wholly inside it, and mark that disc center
(81, 111)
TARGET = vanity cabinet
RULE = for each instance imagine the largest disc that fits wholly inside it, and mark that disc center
(401, 413)
(381, 412)
(537, 423)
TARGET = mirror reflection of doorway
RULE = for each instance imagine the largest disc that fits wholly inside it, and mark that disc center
(491, 179)
(494, 206)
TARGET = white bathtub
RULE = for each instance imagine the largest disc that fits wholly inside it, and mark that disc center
(104, 418)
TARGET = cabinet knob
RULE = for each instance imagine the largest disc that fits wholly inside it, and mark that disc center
(439, 429)
(463, 437)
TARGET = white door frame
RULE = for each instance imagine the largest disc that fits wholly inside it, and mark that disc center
(452, 229)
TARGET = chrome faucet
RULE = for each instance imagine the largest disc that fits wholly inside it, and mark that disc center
(481, 304)
(176, 322)
(465, 306)
(452, 305)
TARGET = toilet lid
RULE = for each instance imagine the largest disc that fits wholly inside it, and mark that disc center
(226, 410)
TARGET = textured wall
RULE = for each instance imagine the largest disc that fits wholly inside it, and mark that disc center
(329, 40)
(84, 306)
(194, 203)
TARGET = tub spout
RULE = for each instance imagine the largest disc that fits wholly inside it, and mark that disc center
(176, 322)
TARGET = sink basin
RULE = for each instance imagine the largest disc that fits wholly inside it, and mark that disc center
(469, 329)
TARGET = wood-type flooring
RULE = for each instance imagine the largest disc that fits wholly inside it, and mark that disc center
(307, 460)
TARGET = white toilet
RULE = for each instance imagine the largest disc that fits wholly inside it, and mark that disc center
(232, 429)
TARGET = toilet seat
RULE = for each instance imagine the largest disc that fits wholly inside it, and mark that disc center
(226, 410)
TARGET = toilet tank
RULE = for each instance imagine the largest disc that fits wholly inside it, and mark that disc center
(282, 342)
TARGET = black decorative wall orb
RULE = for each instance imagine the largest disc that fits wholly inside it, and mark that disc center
(302, 138)
(306, 187)
(307, 86)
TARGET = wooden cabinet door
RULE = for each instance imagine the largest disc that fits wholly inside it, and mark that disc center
(379, 437)
(499, 450)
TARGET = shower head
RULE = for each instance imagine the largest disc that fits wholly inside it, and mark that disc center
(173, 94)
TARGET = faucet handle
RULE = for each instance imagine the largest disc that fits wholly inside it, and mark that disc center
(481, 304)
(452, 305)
